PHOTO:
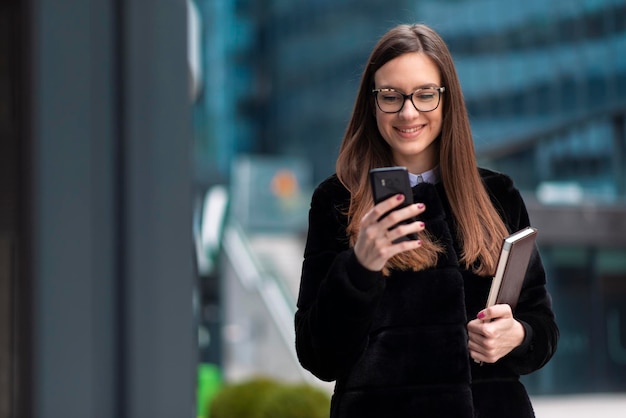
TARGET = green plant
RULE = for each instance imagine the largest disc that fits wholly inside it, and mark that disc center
(209, 383)
(241, 400)
(263, 397)
(294, 401)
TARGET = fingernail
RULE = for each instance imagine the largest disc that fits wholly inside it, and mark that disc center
(481, 315)
(399, 197)
(419, 243)
(420, 206)
(421, 224)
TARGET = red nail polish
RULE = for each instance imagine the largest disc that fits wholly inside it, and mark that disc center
(420, 206)
(399, 197)
(481, 315)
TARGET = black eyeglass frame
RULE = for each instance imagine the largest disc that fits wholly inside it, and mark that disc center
(439, 90)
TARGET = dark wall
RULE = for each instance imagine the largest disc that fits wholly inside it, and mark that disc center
(15, 307)
(95, 198)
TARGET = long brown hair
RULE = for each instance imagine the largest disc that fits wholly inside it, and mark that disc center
(480, 228)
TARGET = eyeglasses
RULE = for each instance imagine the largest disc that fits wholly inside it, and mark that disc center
(424, 100)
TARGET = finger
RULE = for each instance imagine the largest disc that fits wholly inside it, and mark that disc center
(403, 246)
(502, 310)
(477, 356)
(476, 336)
(379, 209)
(372, 217)
(386, 205)
(494, 312)
(402, 230)
(405, 214)
(485, 350)
(474, 325)
(475, 348)
(479, 330)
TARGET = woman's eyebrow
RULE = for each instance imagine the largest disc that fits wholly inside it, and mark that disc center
(422, 86)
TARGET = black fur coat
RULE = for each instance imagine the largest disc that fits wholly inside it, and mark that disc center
(397, 346)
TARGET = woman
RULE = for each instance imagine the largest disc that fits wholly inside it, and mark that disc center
(402, 327)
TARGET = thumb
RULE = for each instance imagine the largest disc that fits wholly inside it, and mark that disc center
(487, 314)
(493, 312)
(483, 315)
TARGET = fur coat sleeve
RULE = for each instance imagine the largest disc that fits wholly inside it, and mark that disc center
(337, 294)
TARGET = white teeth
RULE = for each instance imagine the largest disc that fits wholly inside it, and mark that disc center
(409, 131)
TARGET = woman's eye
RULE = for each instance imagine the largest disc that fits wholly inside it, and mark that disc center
(425, 97)
(391, 98)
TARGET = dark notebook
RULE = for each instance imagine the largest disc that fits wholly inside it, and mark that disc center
(512, 265)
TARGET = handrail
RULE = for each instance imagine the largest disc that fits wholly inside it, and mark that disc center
(253, 277)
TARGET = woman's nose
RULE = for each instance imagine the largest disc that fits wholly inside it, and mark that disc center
(409, 109)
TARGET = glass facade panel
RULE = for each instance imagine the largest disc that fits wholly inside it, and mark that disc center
(589, 288)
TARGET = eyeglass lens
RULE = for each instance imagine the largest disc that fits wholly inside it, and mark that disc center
(424, 100)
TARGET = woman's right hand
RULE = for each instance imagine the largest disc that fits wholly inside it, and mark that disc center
(374, 245)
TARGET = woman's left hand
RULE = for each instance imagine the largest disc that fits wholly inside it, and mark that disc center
(494, 334)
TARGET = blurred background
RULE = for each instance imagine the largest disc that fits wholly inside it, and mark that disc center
(158, 160)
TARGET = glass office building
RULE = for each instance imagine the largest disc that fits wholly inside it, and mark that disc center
(545, 85)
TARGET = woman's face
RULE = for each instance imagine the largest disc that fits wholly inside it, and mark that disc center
(410, 133)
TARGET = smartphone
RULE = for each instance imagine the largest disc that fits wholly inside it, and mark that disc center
(390, 181)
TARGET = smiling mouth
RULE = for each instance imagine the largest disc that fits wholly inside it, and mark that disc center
(410, 130)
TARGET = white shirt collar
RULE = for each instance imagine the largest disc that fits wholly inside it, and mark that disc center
(430, 176)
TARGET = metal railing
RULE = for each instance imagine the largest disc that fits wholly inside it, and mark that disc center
(259, 314)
